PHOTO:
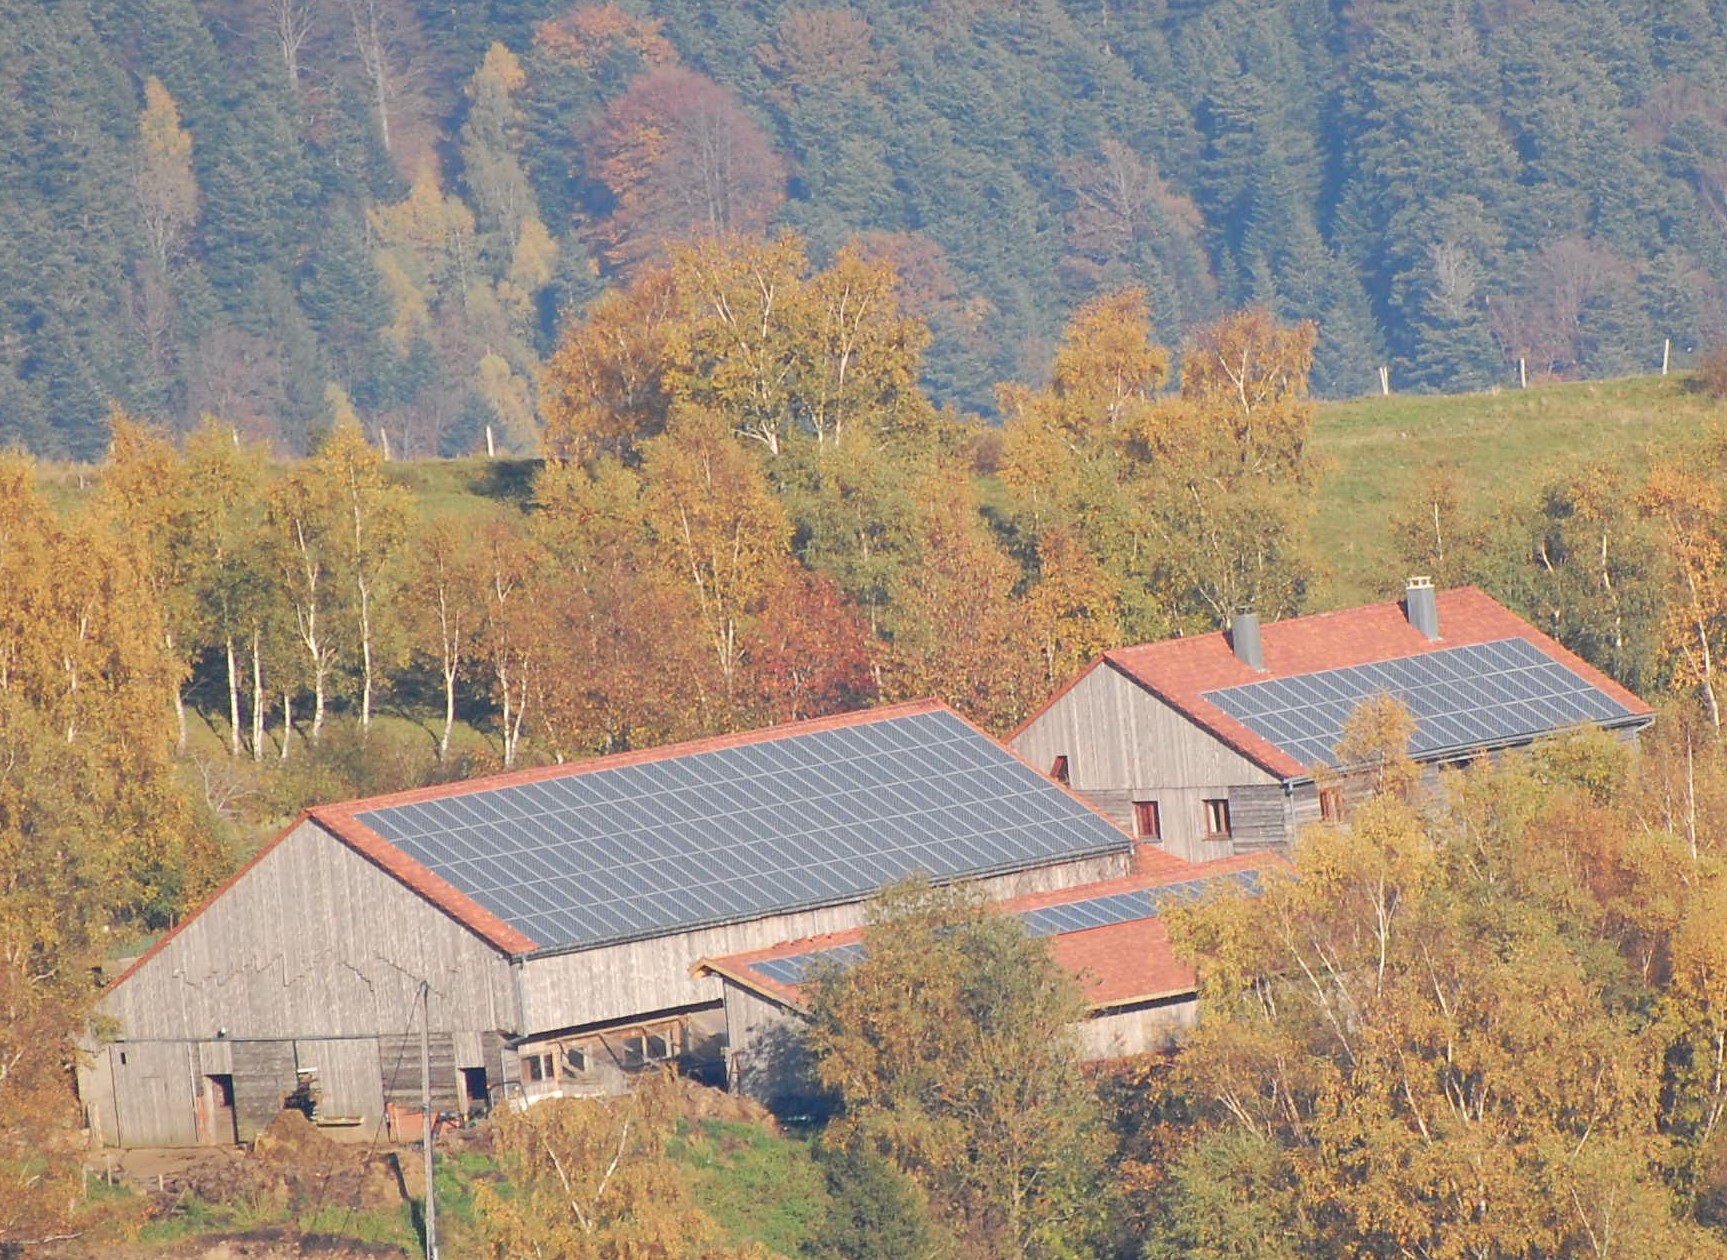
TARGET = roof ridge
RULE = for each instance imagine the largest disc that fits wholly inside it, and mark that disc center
(630, 757)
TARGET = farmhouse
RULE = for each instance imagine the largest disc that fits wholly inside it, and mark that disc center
(1110, 935)
(1209, 745)
(542, 926)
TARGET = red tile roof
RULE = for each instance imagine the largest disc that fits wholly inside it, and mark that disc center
(1179, 671)
(1116, 964)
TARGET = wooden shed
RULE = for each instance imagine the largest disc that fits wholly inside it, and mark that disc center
(1109, 935)
(1212, 745)
(542, 925)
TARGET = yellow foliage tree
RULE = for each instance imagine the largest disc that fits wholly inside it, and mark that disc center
(718, 526)
(167, 190)
(591, 1180)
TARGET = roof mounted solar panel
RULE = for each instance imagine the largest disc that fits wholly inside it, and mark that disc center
(815, 816)
(1056, 920)
(1485, 694)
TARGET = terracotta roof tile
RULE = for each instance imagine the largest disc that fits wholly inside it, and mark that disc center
(1117, 963)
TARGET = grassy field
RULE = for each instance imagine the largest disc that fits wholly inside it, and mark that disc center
(1502, 447)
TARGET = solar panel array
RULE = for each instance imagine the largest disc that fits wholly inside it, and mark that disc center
(1486, 693)
(1073, 916)
(811, 818)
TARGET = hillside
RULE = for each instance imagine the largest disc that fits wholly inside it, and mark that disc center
(1501, 450)
(229, 206)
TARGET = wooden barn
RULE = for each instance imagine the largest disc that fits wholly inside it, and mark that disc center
(1110, 935)
(543, 925)
(1209, 745)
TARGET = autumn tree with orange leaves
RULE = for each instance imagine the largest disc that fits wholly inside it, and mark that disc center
(682, 161)
(97, 834)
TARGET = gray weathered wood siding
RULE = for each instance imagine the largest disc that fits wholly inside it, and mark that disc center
(1136, 1029)
(765, 1057)
(617, 982)
(1123, 744)
(263, 1076)
(154, 1086)
(313, 941)
(349, 1080)
(1260, 817)
(397, 1066)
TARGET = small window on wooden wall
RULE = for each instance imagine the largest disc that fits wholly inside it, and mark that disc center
(1147, 824)
(1216, 818)
(1331, 804)
(1058, 771)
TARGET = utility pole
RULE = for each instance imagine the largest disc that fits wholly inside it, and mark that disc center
(426, 1105)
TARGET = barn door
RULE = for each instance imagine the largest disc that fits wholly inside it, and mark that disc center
(263, 1077)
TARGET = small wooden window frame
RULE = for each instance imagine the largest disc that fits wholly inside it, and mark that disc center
(1331, 804)
(1147, 821)
(1216, 817)
(1058, 771)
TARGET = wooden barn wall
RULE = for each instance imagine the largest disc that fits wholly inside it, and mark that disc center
(764, 1059)
(96, 1096)
(1260, 817)
(1136, 1030)
(616, 982)
(1123, 744)
(149, 1093)
(263, 1076)
(349, 1078)
(396, 1063)
(155, 1090)
(314, 941)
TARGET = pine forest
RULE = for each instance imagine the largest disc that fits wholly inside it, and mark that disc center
(225, 206)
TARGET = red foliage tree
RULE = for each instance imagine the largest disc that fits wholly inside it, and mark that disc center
(681, 160)
(809, 651)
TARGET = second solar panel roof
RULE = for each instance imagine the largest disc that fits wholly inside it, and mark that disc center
(1483, 694)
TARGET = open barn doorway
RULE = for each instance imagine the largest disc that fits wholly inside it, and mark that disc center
(216, 1122)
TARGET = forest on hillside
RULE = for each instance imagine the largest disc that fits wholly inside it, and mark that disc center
(227, 207)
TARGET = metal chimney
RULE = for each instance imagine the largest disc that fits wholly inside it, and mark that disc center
(1421, 606)
(1244, 639)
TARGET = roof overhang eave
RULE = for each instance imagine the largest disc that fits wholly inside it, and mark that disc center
(1630, 722)
(1125, 845)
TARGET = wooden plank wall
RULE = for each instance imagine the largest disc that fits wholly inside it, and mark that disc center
(764, 1057)
(263, 1076)
(348, 1077)
(314, 941)
(398, 1062)
(96, 1095)
(155, 1091)
(619, 982)
(1136, 1030)
(1123, 744)
(1260, 818)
